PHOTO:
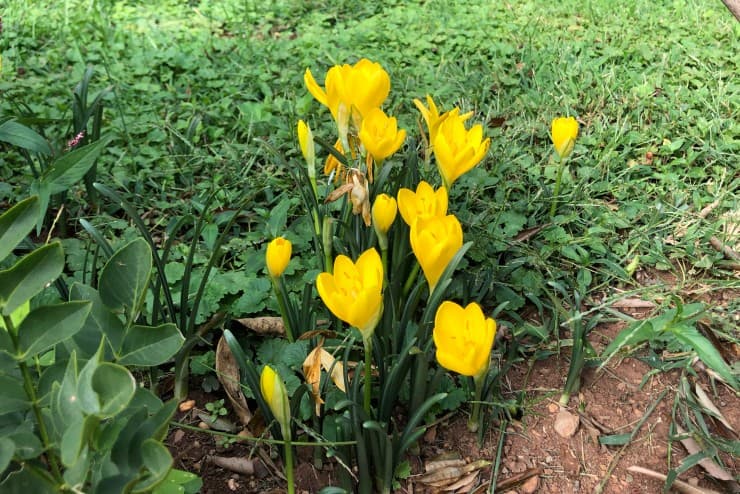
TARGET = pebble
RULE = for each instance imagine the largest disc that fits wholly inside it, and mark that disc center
(553, 407)
(186, 406)
(531, 485)
(693, 481)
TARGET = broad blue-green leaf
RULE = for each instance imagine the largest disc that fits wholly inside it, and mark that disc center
(19, 135)
(27, 481)
(158, 462)
(14, 398)
(100, 322)
(179, 482)
(48, 325)
(27, 445)
(78, 472)
(65, 406)
(115, 386)
(125, 277)
(689, 336)
(7, 448)
(150, 345)
(69, 168)
(29, 276)
(72, 441)
(16, 223)
(16, 317)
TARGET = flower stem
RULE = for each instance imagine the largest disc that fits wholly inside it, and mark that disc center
(556, 190)
(474, 420)
(289, 465)
(368, 343)
(411, 279)
(283, 306)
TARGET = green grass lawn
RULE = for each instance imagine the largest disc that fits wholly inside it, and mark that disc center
(202, 93)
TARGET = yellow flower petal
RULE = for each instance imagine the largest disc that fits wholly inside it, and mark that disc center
(424, 202)
(278, 256)
(435, 240)
(464, 338)
(563, 134)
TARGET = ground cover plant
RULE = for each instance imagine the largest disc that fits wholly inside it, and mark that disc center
(173, 132)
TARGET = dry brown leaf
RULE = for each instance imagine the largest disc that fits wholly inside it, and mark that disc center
(220, 424)
(633, 303)
(264, 325)
(442, 476)
(707, 464)
(709, 405)
(227, 371)
(312, 373)
(464, 484)
(319, 359)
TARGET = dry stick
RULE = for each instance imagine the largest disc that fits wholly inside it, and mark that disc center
(734, 7)
(679, 485)
(726, 250)
(615, 460)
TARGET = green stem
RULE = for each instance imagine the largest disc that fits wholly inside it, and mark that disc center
(474, 420)
(368, 343)
(411, 279)
(289, 465)
(283, 306)
(31, 393)
(573, 382)
(556, 190)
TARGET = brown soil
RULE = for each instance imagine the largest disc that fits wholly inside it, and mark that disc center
(612, 401)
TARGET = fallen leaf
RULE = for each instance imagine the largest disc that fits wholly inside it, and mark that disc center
(707, 464)
(709, 405)
(227, 371)
(678, 485)
(240, 464)
(264, 325)
(220, 424)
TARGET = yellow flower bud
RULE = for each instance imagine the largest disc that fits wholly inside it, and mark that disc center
(353, 292)
(278, 256)
(435, 240)
(463, 337)
(305, 139)
(380, 135)
(457, 149)
(422, 203)
(563, 134)
(274, 393)
(384, 212)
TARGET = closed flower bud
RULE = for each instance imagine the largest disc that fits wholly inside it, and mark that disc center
(463, 337)
(563, 134)
(274, 393)
(278, 256)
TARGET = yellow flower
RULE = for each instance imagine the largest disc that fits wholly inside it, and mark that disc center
(274, 393)
(457, 149)
(332, 163)
(278, 256)
(361, 87)
(353, 292)
(435, 240)
(384, 213)
(380, 135)
(433, 118)
(424, 202)
(305, 139)
(463, 337)
(563, 134)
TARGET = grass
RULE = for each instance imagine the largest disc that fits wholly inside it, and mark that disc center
(197, 87)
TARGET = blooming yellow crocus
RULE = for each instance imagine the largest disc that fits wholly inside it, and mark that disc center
(361, 87)
(380, 135)
(463, 337)
(278, 256)
(276, 396)
(435, 240)
(433, 118)
(305, 139)
(424, 202)
(563, 133)
(353, 292)
(457, 149)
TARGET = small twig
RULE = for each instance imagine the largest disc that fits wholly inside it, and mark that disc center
(679, 485)
(54, 223)
(726, 250)
(599, 488)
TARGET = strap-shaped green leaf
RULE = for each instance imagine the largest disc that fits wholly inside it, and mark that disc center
(149, 346)
(69, 168)
(7, 448)
(46, 326)
(19, 135)
(29, 276)
(125, 277)
(16, 223)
